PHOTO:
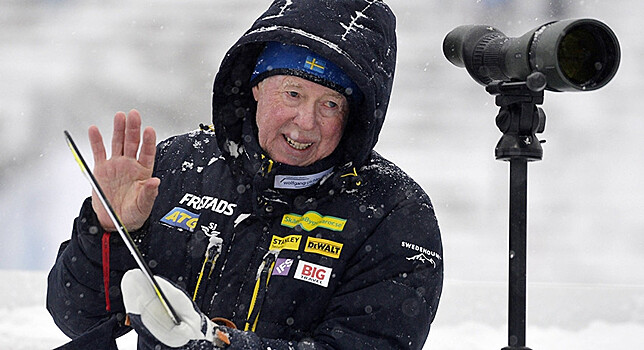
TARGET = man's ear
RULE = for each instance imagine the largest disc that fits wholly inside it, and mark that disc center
(256, 91)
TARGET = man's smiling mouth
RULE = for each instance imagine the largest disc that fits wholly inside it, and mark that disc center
(297, 145)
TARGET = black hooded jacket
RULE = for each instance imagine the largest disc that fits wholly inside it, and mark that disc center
(348, 259)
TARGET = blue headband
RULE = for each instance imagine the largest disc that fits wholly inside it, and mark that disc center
(278, 58)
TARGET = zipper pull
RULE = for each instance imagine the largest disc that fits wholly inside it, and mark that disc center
(267, 262)
(215, 245)
(214, 249)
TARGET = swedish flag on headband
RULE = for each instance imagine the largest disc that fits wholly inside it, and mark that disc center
(314, 64)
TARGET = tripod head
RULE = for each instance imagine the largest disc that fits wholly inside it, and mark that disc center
(519, 118)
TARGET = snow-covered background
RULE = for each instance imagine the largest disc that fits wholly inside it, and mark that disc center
(69, 64)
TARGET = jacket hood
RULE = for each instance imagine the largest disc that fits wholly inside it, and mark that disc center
(358, 36)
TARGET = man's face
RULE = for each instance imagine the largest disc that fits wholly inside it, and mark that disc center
(299, 121)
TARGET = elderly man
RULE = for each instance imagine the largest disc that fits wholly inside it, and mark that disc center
(279, 221)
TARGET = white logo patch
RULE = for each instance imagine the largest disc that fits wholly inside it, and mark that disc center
(313, 273)
(425, 255)
(294, 182)
(206, 202)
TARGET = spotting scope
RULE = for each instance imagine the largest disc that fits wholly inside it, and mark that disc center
(574, 55)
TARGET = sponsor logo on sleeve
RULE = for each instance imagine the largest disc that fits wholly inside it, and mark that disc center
(312, 220)
(323, 246)
(424, 255)
(282, 266)
(313, 273)
(291, 242)
(422, 258)
(181, 218)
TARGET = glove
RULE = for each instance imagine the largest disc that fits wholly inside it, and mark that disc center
(153, 324)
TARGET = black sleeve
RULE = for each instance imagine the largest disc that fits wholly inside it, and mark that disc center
(75, 289)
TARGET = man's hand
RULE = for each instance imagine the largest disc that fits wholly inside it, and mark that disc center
(126, 181)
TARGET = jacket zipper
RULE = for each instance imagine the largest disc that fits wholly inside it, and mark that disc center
(261, 288)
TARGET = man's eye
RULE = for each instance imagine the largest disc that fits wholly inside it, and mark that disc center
(293, 93)
(331, 104)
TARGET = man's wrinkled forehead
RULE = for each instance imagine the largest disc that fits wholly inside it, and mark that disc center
(286, 82)
(297, 82)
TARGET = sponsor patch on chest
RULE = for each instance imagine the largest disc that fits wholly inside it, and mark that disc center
(291, 242)
(323, 247)
(313, 273)
(282, 266)
(181, 218)
(312, 220)
(214, 204)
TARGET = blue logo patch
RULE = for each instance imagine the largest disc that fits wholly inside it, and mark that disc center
(181, 218)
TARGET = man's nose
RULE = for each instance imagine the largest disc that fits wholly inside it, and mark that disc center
(305, 117)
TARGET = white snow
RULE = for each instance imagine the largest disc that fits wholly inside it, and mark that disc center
(471, 316)
(68, 64)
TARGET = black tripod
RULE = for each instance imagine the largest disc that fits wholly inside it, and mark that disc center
(519, 119)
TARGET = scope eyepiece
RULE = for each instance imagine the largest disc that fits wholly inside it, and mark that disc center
(574, 55)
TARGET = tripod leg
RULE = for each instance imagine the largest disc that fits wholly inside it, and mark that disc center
(517, 254)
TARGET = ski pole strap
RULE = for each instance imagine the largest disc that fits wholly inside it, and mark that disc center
(105, 249)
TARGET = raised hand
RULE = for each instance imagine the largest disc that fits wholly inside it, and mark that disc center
(126, 181)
